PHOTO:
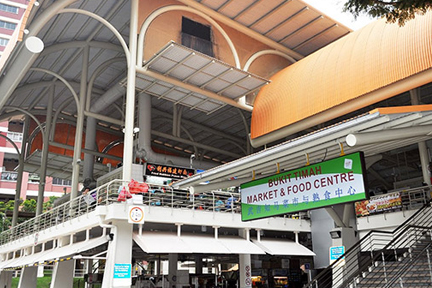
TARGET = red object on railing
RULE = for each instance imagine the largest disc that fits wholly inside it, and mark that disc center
(123, 195)
(136, 187)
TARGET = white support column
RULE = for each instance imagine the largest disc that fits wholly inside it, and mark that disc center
(423, 150)
(245, 266)
(63, 274)
(6, 279)
(89, 270)
(245, 271)
(172, 269)
(80, 125)
(424, 160)
(28, 277)
(119, 254)
(90, 144)
(20, 170)
(130, 94)
(45, 135)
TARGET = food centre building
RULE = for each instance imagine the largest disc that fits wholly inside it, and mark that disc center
(270, 139)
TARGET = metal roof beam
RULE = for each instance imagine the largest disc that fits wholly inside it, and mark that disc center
(364, 138)
(192, 88)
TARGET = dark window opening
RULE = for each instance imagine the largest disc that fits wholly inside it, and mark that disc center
(197, 36)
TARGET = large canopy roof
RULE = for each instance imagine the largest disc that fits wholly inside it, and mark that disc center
(386, 129)
(290, 26)
(358, 70)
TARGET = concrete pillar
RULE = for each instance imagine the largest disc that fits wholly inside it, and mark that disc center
(172, 269)
(63, 274)
(20, 170)
(28, 277)
(89, 270)
(40, 271)
(44, 158)
(130, 94)
(198, 264)
(90, 144)
(245, 271)
(6, 279)
(119, 256)
(79, 125)
(424, 160)
(423, 149)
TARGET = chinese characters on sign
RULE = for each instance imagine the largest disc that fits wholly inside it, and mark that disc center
(168, 171)
(335, 181)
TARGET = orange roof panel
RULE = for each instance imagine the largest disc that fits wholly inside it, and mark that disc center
(362, 62)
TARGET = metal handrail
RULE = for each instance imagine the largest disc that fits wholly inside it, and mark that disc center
(407, 266)
(362, 255)
(157, 195)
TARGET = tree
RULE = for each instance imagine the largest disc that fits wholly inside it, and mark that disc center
(29, 205)
(394, 10)
(48, 205)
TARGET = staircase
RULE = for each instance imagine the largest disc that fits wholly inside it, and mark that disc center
(401, 258)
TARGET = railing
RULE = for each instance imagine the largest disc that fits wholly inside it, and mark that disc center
(413, 267)
(404, 199)
(375, 247)
(164, 196)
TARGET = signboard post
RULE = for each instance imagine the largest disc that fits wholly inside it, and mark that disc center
(336, 181)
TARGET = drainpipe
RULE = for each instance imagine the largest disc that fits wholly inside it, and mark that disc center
(103, 102)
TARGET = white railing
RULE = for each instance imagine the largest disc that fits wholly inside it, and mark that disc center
(157, 195)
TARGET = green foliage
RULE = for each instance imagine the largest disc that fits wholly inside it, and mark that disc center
(395, 11)
(44, 282)
(29, 205)
(49, 204)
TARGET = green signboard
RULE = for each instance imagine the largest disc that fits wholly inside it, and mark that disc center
(331, 182)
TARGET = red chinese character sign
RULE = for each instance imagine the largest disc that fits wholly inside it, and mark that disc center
(336, 181)
(168, 171)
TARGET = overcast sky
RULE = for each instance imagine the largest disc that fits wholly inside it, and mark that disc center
(333, 9)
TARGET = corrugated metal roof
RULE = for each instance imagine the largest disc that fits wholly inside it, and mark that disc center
(323, 144)
(362, 62)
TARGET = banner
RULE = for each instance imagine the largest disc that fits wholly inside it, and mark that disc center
(378, 204)
(331, 182)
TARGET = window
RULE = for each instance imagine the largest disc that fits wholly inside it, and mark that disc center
(33, 178)
(7, 25)
(8, 8)
(3, 41)
(197, 36)
(62, 182)
(15, 136)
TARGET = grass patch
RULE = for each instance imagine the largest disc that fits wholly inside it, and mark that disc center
(44, 282)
